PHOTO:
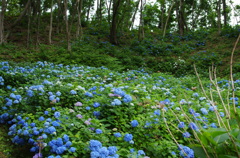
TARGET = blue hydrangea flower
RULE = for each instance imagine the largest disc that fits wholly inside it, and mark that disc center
(116, 102)
(134, 123)
(95, 154)
(103, 152)
(183, 101)
(73, 92)
(127, 98)
(89, 94)
(195, 95)
(186, 135)
(157, 112)
(186, 152)
(65, 138)
(191, 111)
(132, 150)
(55, 123)
(173, 153)
(96, 104)
(44, 136)
(50, 130)
(181, 125)
(193, 126)
(95, 145)
(141, 152)
(60, 150)
(72, 149)
(212, 108)
(58, 93)
(98, 131)
(96, 113)
(128, 137)
(117, 134)
(119, 91)
(57, 114)
(221, 114)
(204, 111)
(213, 125)
(46, 112)
(68, 144)
(41, 118)
(112, 150)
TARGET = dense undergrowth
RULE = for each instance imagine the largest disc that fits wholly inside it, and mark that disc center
(173, 54)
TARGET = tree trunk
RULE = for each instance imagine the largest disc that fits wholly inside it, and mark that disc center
(109, 11)
(169, 14)
(141, 24)
(38, 22)
(88, 11)
(66, 23)
(79, 26)
(2, 22)
(59, 16)
(113, 30)
(224, 12)
(181, 15)
(73, 14)
(162, 16)
(50, 27)
(29, 27)
(219, 16)
(99, 11)
(134, 15)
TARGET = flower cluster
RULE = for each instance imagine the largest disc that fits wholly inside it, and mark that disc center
(98, 151)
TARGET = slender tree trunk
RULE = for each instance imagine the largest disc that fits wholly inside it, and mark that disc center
(50, 27)
(2, 22)
(162, 16)
(73, 15)
(180, 16)
(59, 16)
(88, 12)
(38, 22)
(219, 16)
(109, 11)
(193, 19)
(66, 23)
(169, 14)
(113, 30)
(134, 15)
(29, 27)
(100, 12)
(141, 24)
(79, 26)
(224, 12)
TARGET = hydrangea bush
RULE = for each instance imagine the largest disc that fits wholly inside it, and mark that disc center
(78, 111)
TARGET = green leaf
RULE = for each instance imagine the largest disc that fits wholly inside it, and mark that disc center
(222, 138)
(199, 152)
(226, 156)
(235, 132)
(204, 140)
(216, 131)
